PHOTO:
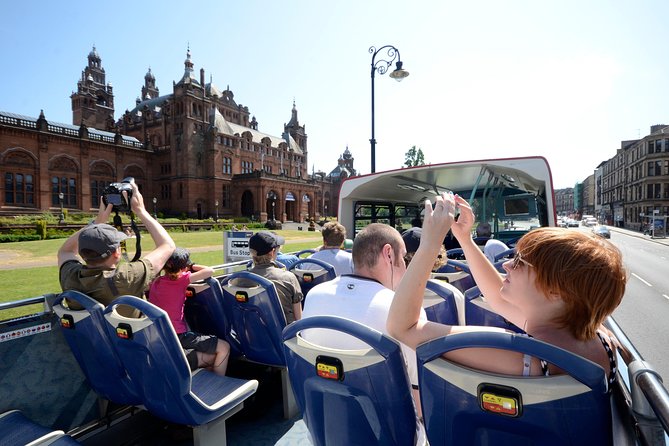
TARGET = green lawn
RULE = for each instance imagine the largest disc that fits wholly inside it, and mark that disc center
(22, 283)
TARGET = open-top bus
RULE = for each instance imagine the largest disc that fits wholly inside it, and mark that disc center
(42, 377)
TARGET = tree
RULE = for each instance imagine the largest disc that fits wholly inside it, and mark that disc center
(414, 157)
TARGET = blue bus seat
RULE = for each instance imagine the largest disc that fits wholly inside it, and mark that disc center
(505, 255)
(299, 254)
(17, 430)
(462, 405)
(256, 320)
(478, 312)
(204, 310)
(85, 333)
(455, 254)
(464, 279)
(443, 303)
(151, 353)
(317, 271)
(350, 396)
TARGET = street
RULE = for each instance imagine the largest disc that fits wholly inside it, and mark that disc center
(644, 312)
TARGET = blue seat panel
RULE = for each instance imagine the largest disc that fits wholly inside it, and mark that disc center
(86, 334)
(151, 353)
(350, 397)
(462, 405)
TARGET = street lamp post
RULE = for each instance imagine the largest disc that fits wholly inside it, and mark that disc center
(216, 204)
(62, 213)
(273, 204)
(155, 201)
(382, 66)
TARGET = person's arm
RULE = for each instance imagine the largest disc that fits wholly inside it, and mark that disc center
(200, 272)
(485, 275)
(404, 316)
(297, 311)
(70, 249)
(164, 243)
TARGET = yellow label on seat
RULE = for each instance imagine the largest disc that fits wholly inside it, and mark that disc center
(327, 371)
(499, 404)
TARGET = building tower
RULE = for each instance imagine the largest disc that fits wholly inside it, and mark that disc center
(93, 103)
(149, 90)
(294, 129)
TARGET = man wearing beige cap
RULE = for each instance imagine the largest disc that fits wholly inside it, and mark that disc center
(103, 276)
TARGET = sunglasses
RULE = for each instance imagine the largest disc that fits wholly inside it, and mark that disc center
(518, 259)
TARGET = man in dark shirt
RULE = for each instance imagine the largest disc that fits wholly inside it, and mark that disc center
(264, 247)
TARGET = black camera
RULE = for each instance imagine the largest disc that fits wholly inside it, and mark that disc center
(113, 194)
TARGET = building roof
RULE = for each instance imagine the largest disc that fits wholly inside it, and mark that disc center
(217, 120)
(154, 104)
(69, 128)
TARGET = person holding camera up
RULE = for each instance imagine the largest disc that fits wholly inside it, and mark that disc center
(103, 276)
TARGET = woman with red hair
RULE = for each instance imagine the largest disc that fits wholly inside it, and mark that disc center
(560, 287)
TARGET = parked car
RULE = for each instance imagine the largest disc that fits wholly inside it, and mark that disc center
(601, 231)
(571, 223)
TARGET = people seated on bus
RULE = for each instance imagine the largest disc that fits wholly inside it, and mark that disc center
(168, 292)
(103, 276)
(264, 247)
(411, 239)
(559, 288)
(285, 260)
(364, 296)
(334, 234)
(494, 247)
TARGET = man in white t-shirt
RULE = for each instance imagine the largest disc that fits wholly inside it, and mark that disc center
(366, 295)
(334, 234)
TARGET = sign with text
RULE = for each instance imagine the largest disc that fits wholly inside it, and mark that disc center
(236, 245)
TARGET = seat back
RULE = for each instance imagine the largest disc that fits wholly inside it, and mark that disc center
(299, 254)
(478, 312)
(462, 405)
(204, 310)
(256, 318)
(311, 272)
(151, 353)
(350, 396)
(459, 272)
(443, 303)
(85, 332)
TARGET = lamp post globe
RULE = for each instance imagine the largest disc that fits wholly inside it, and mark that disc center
(155, 201)
(381, 66)
(216, 204)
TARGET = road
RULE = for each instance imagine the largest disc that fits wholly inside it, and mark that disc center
(644, 312)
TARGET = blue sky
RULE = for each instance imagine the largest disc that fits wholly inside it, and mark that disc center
(565, 79)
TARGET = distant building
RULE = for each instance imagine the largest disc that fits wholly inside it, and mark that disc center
(564, 202)
(195, 151)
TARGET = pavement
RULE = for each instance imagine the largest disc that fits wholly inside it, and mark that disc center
(660, 240)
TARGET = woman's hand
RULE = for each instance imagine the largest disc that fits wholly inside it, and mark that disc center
(437, 220)
(462, 228)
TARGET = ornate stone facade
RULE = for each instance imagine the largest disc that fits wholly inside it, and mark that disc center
(196, 151)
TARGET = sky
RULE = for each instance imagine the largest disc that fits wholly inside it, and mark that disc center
(564, 79)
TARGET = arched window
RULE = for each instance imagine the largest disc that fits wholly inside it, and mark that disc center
(19, 172)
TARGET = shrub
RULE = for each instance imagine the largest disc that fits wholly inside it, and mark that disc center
(40, 229)
(8, 238)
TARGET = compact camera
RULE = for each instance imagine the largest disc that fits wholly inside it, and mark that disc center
(114, 194)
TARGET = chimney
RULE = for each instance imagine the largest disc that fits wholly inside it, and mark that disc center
(202, 76)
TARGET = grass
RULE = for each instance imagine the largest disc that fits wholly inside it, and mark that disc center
(22, 283)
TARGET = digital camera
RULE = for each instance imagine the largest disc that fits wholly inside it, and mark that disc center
(113, 194)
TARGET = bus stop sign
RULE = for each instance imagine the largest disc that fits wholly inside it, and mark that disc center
(236, 245)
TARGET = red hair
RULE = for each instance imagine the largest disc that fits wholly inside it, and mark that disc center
(585, 270)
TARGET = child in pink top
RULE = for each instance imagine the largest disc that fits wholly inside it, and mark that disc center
(169, 293)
